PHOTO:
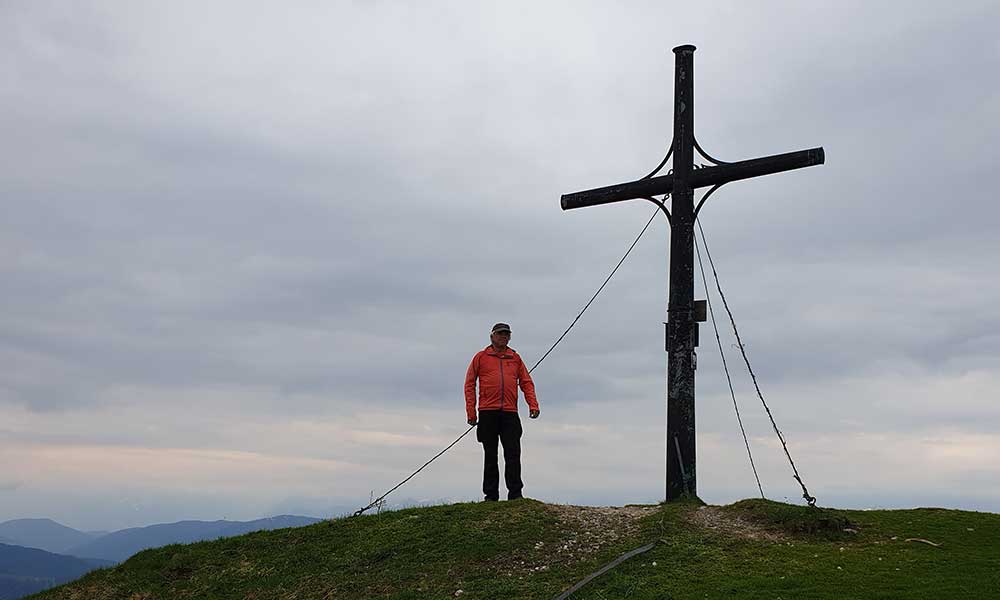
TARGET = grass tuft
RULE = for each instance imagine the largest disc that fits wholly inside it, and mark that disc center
(824, 523)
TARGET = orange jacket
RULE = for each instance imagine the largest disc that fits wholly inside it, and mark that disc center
(499, 375)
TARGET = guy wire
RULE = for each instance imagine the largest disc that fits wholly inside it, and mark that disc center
(725, 366)
(810, 500)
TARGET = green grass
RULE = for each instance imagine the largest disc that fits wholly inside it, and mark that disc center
(514, 550)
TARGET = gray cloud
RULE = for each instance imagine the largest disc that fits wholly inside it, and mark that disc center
(318, 212)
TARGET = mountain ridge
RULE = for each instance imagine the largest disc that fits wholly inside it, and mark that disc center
(43, 534)
(27, 570)
(119, 545)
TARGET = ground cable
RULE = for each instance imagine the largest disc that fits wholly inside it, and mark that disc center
(604, 570)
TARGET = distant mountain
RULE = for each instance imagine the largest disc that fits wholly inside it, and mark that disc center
(25, 571)
(97, 534)
(44, 534)
(120, 545)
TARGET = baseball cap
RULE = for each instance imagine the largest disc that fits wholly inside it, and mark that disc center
(501, 327)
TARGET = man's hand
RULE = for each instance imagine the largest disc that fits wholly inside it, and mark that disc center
(534, 414)
(473, 421)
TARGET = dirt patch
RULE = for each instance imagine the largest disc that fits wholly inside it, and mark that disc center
(587, 530)
(594, 527)
(714, 518)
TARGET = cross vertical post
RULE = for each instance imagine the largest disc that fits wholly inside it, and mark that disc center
(683, 313)
(681, 474)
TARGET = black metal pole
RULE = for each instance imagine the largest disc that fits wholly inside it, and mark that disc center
(681, 474)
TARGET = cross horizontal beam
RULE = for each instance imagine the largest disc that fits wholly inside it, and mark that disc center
(707, 176)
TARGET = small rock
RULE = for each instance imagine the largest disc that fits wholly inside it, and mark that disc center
(458, 593)
(654, 563)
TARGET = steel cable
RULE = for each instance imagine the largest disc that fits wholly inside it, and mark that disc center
(627, 252)
(725, 366)
(810, 500)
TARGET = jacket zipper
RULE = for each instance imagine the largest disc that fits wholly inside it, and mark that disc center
(500, 358)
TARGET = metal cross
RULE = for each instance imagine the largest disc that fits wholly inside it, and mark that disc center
(682, 310)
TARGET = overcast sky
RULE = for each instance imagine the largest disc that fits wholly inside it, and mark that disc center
(248, 249)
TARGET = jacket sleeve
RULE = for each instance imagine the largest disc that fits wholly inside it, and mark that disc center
(527, 385)
(470, 387)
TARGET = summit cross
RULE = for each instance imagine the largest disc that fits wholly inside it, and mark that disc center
(683, 313)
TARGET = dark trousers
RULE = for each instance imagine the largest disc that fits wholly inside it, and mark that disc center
(505, 427)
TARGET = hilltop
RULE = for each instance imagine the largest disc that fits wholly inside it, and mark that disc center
(44, 534)
(528, 549)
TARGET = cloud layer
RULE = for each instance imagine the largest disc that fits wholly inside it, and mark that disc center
(247, 251)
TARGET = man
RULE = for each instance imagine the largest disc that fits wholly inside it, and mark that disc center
(500, 371)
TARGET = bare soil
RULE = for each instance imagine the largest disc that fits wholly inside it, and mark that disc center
(587, 530)
(715, 519)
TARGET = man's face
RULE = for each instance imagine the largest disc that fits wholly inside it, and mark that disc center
(500, 338)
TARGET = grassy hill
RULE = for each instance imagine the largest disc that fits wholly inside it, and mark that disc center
(528, 549)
